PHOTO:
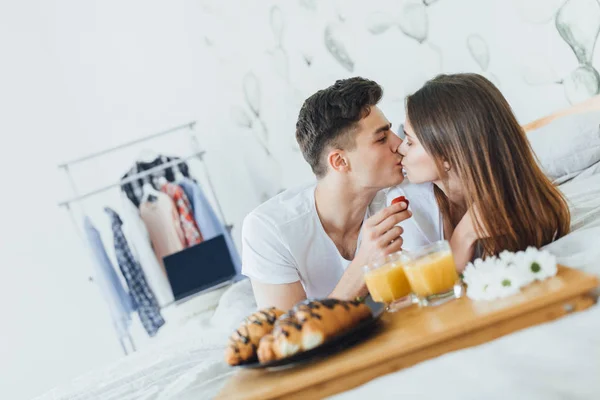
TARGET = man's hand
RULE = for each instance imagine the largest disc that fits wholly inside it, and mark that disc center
(380, 237)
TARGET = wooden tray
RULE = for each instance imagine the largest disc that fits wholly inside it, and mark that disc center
(416, 334)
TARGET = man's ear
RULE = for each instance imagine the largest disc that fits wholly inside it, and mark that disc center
(338, 161)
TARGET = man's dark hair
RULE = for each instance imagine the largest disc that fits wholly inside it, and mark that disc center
(327, 118)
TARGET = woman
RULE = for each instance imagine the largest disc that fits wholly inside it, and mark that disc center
(461, 135)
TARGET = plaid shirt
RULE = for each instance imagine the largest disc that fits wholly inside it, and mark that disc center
(146, 304)
(184, 209)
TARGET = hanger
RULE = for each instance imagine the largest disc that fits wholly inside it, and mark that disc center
(171, 171)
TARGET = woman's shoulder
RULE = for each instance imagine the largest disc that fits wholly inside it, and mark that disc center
(414, 192)
(426, 216)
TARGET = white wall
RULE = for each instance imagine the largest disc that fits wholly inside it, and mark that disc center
(77, 77)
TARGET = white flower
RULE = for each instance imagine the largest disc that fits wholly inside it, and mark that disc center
(502, 276)
(507, 256)
(468, 273)
(539, 265)
(482, 278)
(493, 279)
(508, 280)
(478, 263)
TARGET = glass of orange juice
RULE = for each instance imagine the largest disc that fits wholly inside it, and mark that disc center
(387, 282)
(432, 274)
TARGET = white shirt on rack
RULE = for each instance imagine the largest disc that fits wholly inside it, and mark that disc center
(138, 238)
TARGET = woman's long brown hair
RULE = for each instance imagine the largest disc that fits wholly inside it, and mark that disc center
(465, 120)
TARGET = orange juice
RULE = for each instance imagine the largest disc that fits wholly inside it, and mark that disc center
(432, 274)
(388, 282)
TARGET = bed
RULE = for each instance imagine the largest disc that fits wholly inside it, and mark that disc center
(557, 360)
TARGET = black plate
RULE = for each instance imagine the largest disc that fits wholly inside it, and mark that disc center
(340, 342)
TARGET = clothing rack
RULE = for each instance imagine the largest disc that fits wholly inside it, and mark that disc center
(132, 178)
(77, 197)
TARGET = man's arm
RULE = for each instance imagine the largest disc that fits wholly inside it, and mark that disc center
(283, 296)
(269, 265)
(380, 236)
(351, 285)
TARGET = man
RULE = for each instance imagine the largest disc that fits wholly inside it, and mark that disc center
(313, 241)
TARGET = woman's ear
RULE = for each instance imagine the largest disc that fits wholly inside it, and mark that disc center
(447, 167)
(337, 160)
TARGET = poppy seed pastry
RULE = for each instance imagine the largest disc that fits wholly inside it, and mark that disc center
(308, 325)
(243, 343)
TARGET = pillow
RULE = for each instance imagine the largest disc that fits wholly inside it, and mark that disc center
(567, 145)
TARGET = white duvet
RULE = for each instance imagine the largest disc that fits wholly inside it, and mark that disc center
(558, 360)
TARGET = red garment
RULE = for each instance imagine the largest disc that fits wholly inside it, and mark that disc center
(184, 209)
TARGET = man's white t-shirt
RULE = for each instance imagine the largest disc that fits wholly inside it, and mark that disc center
(283, 240)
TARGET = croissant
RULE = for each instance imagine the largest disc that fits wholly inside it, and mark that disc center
(243, 343)
(308, 325)
(265, 349)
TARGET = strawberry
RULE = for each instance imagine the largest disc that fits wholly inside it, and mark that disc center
(399, 199)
